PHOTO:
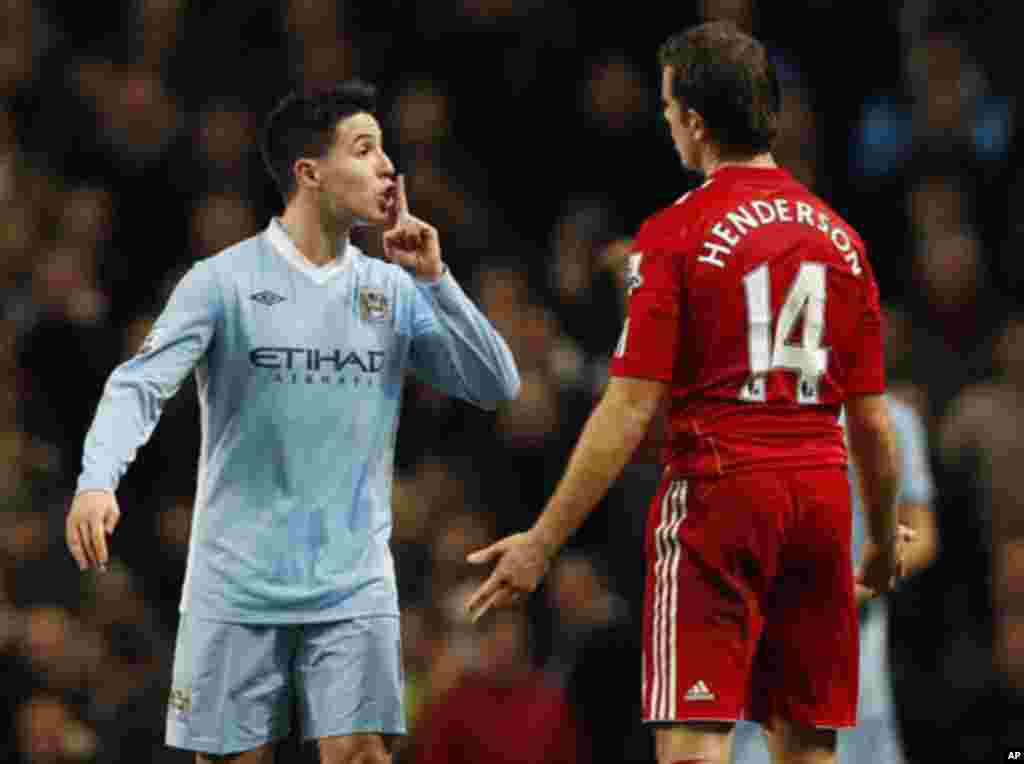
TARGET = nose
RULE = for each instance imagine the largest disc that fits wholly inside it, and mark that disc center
(387, 167)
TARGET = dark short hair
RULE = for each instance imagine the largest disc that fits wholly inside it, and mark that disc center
(727, 77)
(303, 124)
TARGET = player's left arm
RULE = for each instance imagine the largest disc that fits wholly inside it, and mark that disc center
(456, 349)
(614, 430)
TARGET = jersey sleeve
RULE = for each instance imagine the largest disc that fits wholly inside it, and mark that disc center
(649, 344)
(134, 395)
(865, 356)
(456, 349)
(917, 486)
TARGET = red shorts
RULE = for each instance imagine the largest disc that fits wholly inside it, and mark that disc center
(749, 610)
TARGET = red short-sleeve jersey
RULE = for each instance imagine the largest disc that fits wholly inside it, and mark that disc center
(756, 301)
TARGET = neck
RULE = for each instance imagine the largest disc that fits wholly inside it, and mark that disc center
(318, 238)
(715, 163)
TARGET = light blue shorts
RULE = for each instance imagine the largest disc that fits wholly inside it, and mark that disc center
(234, 683)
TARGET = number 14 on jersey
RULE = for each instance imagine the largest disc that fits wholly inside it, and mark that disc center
(770, 351)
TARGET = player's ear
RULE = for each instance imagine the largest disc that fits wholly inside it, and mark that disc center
(696, 122)
(306, 173)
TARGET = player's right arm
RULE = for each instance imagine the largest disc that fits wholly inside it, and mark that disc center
(132, 400)
(859, 349)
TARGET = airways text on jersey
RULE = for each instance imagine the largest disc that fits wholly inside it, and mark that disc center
(729, 231)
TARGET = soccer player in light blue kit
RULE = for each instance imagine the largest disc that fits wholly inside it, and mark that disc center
(875, 739)
(300, 345)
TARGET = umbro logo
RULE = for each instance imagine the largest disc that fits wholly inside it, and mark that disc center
(699, 691)
(267, 298)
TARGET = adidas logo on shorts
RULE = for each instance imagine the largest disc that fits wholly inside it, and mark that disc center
(699, 691)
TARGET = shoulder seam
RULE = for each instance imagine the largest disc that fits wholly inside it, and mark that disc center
(218, 285)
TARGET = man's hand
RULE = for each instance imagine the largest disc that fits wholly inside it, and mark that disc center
(522, 559)
(412, 243)
(881, 568)
(93, 517)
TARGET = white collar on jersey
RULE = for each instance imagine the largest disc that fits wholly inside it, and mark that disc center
(321, 274)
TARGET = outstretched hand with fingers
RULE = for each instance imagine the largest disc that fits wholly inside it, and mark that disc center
(521, 562)
(93, 517)
(411, 242)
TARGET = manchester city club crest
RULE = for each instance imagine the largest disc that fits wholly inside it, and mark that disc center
(374, 306)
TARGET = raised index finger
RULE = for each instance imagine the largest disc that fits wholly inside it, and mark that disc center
(401, 200)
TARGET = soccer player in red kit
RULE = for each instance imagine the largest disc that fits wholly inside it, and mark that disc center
(755, 316)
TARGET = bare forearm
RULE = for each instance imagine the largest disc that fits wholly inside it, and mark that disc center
(610, 437)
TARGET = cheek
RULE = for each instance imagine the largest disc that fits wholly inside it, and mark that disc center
(678, 134)
(346, 177)
(359, 181)
(345, 189)
(677, 129)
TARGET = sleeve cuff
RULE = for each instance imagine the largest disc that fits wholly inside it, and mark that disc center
(86, 484)
(444, 292)
(445, 273)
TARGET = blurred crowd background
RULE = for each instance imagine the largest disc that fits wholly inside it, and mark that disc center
(530, 134)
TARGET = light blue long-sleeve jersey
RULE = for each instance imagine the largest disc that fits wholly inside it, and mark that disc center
(916, 483)
(300, 373)
(917, 486)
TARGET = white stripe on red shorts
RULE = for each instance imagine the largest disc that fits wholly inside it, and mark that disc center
(660, 692)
